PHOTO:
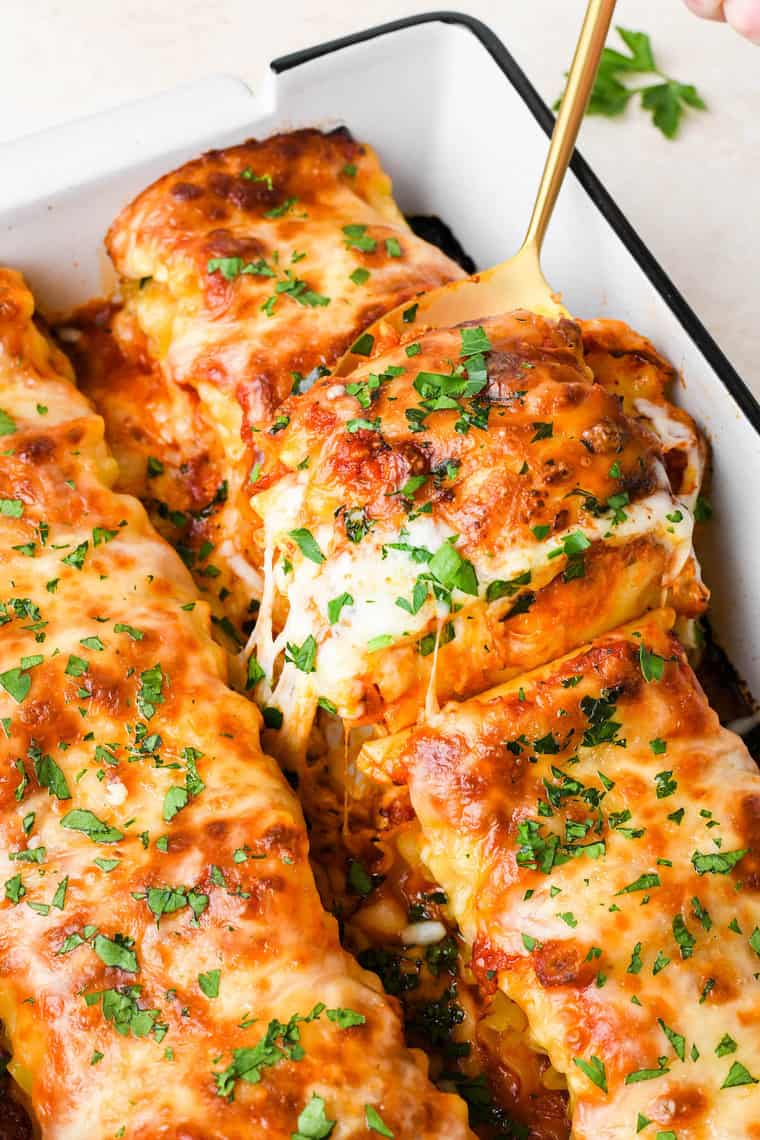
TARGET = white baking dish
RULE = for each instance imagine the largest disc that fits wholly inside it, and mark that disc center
(462, 132)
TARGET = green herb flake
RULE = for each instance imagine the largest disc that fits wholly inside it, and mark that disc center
(375, 1122)
(313, 1124)
(335, 606)
(116, 952)
(307, 544)
(716, 863)
(80, 819)
(738, 1075)
(345, 1018)
(150, 693)
(364, 345)
(594, 1070)
(209, 983)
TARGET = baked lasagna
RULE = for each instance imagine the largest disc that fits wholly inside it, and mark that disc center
(598, 833)
(552, 876)
(469, 504)
(166, 967)
(245, 274)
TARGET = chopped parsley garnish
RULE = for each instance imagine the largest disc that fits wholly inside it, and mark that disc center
(282, 209)
(375, 1122)
(335, 606)
(313, 1124)
(665, 784)
(594, 1070)
(120, 1007)
(209, 983)
(307, 544)
(116, 952)
(357, 238)
(677, 1040)
(49, 775)
(272, 717)
(716, 863)
(685, 940)
(640, 1075)
(345, 1018)
(507, 589)
(652, 666)
(643, 883)
(80, 819)
(281, 1041)
(77, 556)
(178, 796)
(302, 656)
(363, 424)
(357, 523)
(150, 693)
(738, 1075)
(254, 672)
(364, 345)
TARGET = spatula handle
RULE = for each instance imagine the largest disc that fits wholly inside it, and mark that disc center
(580, 80)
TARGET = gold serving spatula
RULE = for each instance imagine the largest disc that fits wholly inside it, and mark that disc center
(517, 283)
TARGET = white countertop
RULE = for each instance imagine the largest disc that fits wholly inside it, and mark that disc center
(695, 201)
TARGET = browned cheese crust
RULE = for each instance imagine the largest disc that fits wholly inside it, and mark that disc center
(598, 834)
(166, 967)
(506, 487)
(243, 272)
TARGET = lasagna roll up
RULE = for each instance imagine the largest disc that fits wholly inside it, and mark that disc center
(166, 967)
(245, 274)
(598, 835)
(467, 505)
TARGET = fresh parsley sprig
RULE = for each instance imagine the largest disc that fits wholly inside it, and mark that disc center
(666, 100)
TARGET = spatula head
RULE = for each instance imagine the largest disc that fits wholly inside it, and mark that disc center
(514, 284)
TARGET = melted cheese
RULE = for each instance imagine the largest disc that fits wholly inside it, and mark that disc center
(218, 349)
(504, 482)
(602, 862)
(159, 910)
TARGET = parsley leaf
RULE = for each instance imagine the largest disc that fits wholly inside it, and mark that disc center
(307, 544)
(594, 1070)
(312, 1122)
(738, 1075)
(116, 952)
(302, 656)
(716, 863)
(209, 983)
(375, 1122)
(335, 605)
(666, 100)
(80, 819)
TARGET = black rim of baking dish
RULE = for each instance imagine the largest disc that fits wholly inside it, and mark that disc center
(591, 184)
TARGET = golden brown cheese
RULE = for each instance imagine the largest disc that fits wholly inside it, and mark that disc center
(467, 505)
(245, 271)
(630, 366)
(166, 967)
(598, 835)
